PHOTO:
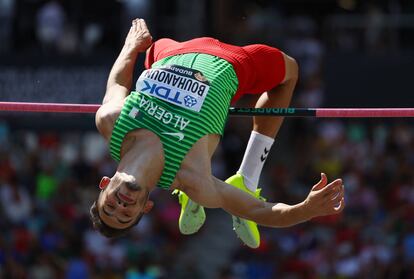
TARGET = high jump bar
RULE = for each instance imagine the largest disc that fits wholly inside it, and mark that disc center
(233, 111)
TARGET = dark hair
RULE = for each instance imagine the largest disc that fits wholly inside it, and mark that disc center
(106, 230)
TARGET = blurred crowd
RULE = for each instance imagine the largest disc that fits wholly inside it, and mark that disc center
(80, 28)
(63, 27)
(374, 237)
(48, 181)
(49, 178)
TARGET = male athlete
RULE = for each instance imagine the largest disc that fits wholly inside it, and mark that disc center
(165, 133)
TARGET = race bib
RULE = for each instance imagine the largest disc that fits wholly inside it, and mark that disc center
(175, 84)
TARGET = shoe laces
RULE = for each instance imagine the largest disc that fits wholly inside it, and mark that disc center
(180, 195)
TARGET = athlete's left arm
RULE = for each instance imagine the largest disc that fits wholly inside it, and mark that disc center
(121, 75)
(323, 199)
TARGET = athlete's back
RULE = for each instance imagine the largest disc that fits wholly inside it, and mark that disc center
(258, 67)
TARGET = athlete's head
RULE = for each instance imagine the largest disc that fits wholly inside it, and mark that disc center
(120, 206)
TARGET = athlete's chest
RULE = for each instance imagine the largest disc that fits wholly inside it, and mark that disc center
(132, 137)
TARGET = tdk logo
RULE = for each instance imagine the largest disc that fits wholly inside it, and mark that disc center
(186, 92)
(161, 92)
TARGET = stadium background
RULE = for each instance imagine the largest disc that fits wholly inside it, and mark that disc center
(352, 53)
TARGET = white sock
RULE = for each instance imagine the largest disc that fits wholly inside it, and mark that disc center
(255, 156)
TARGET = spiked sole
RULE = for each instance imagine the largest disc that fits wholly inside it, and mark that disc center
(192, 218)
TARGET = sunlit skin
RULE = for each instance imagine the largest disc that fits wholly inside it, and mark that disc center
(140, 169)
(119, 205)
(142, 159)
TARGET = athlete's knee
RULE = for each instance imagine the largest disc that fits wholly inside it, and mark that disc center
(291, 68)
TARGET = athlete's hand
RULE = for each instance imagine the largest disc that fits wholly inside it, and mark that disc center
(325, 199)
(139, 38)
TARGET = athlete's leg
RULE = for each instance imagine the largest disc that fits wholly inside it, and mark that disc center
(265, 128)
(278, 97)
(261, 140)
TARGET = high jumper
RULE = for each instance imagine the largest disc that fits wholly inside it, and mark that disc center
(164, 133)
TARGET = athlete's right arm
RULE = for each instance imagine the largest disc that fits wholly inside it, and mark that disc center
(120, 78)
(121, 75)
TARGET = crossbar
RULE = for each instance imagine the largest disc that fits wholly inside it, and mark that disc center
(233, 111)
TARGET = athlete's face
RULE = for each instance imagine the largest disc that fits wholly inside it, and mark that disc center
(121, 203)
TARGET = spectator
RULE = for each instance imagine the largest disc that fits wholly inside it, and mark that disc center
(6, 18)
(16, 202)
(50, 24)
